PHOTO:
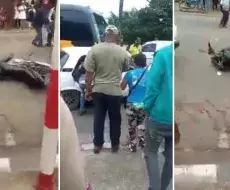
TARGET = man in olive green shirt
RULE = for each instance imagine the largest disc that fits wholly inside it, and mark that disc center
(104, 65)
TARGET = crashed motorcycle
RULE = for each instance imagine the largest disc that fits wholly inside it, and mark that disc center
(220, 59)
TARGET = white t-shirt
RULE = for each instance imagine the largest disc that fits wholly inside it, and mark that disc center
(16, 13)
(225, 4)
(22, 12)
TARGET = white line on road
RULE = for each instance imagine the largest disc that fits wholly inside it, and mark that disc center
(9, 139)
(5, 165)
(90, 146)
(223, 139)
(195, 173)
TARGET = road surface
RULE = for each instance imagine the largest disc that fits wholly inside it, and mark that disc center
(201, 98)
(18, 164)
(19, 43)
(108, 171)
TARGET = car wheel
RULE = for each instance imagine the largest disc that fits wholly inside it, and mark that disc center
(71, 98)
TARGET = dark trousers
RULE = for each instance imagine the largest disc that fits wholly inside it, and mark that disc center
(102, 104)
(17, 23)
(225, 17)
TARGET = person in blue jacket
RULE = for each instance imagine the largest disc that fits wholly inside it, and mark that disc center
(159, 109)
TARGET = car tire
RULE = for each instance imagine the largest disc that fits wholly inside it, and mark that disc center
(71, 98)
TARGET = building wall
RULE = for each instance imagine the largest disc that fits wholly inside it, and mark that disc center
(8, 7)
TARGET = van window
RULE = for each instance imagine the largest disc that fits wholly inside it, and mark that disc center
(101, 23)
(75, 27)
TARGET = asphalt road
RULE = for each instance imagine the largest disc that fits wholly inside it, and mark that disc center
(19, 165)
(201, 98)
(107, 171)
(19, 43)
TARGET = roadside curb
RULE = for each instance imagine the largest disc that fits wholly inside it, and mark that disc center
(199, 14)
(196, 13)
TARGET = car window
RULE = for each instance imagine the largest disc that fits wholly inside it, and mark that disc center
(63, 58)
(149, 47)
(75, 27)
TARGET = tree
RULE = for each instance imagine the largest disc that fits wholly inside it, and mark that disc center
(150, 23)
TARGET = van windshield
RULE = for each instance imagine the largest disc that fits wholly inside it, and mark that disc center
(75, 27)
(101, 23)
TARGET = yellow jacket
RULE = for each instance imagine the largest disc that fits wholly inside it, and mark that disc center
(134, 50)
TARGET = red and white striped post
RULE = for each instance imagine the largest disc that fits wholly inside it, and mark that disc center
(50, 134)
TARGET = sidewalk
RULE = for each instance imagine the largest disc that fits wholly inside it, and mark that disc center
(122, 171)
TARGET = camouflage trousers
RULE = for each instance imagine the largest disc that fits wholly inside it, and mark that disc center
(136, 118)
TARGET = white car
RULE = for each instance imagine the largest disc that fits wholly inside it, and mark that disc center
(149, 48)
(70, 59)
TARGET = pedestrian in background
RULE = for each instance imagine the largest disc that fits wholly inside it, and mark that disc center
(22, 15)
(46, 28)
(31, 15)
(16, 17)
(224, 7)
(3, 17)
(136, 81)
(158, 105)
(38, 24)
(135, 48)
(104, 65)
(51, 27)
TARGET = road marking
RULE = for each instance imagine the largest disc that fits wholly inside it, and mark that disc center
(5, 165)
(195, 173)
(90, 146)
(223, 139)
(9, 139)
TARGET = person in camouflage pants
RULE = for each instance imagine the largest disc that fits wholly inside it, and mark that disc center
(136, 118)
(135, 80)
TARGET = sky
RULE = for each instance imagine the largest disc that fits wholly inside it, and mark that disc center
(106, 6)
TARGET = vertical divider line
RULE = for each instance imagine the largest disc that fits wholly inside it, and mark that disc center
(173, 39)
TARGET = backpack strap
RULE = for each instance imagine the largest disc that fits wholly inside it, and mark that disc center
(138, 81)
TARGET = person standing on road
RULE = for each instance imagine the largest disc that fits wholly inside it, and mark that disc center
(51, 27)
(104, 65)
(38, 24)
(22, 15)
(16, 17)
(136, 80)
(135, 48)
(31, 15)
(158, 106)
(224, 7)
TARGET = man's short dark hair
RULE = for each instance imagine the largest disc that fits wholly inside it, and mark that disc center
(140, 60)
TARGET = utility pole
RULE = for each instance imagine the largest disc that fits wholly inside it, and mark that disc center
(121, 5)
